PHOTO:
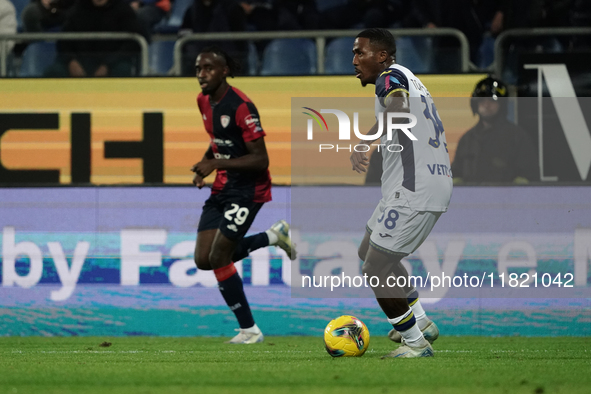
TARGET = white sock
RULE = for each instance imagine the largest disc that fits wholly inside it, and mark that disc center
(422, 319)
(252, 330)
(413, 335)
(273, 238)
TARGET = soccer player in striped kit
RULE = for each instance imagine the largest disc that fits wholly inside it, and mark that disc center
(242, 185)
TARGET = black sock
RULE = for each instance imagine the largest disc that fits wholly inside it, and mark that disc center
(233, 292)
(249, 244)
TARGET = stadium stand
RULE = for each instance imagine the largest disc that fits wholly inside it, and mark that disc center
(252, 59)
(36, 58)
(338, 56)
(161, 59)
(279, 59)
(324, 5)
(174, 21)
(415, 53)
(19, 5)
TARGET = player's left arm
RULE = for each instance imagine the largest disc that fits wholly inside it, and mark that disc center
(396, 101)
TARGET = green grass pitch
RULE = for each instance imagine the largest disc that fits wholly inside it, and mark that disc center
(289, 365)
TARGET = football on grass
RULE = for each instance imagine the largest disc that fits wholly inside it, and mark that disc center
(346, 336)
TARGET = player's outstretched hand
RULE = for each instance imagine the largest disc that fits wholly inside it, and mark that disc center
(359, 161)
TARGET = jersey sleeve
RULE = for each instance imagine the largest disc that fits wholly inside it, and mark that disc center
(247, 118)
(390, 81)
(200, 99)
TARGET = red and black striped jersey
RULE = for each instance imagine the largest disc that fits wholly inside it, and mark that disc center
(231, 123)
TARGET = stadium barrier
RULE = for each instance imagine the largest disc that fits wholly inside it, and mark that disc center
(32, 37)
(320, 36)
(504, 38)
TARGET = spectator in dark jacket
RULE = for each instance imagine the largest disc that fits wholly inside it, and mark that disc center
(471, 17)
(44, 15)
(99, 58)
(150, 13)
(360, 13)
(580, 16)
(208, 16)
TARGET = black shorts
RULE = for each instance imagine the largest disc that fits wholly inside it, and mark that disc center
(232, 215)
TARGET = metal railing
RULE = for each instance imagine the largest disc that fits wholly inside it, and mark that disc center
(4, 38)
(500, 42)
(320, 37)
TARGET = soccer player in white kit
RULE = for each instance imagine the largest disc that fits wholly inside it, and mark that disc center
(416, 187)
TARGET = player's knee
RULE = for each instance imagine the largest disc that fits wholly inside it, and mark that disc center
(218, 259)
(202, 263)
(362, 252)
(369, 269)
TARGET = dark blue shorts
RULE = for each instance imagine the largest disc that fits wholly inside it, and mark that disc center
(232, 215)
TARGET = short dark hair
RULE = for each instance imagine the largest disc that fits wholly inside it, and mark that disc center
(382, 38)
(231, 63)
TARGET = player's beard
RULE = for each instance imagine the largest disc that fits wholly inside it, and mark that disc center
(209, 90)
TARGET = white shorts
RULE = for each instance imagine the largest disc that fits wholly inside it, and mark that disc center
(398, 229)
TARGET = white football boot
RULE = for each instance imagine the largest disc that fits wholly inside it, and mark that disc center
(281, 230)
(405, 351)
(430, 332)
(246, 337)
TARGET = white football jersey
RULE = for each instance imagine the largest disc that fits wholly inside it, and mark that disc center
(420, 174)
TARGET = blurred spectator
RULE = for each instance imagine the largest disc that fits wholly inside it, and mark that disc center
(99, 58)
(205, 16)
(494, 150)
(297, 15)
(7, 21)
(150, 13)
(471, 17)
(581, 13)
(44, 15)
(514, 14)
(580, 16)
(260, 15)
(360, 14)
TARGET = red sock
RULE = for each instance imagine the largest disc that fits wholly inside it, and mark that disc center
(224, 273)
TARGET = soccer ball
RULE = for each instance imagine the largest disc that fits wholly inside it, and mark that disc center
(346, 336)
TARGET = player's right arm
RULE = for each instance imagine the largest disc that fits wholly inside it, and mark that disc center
(198, 179)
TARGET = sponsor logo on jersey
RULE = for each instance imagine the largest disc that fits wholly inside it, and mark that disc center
(220, 156)
(225, 121)
(204, 117)
(252, 122)
(439, 169)
(385, 235)
(232, 227)
(221, 142)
